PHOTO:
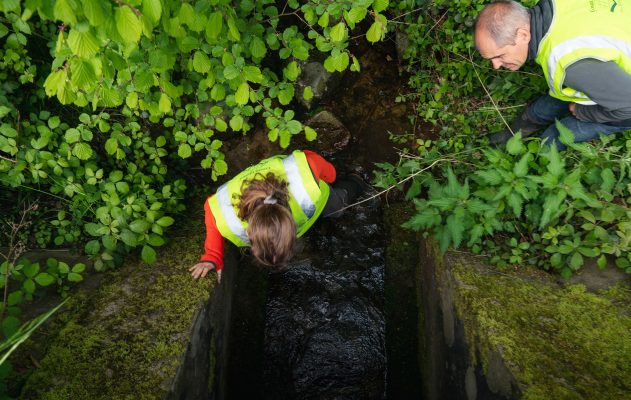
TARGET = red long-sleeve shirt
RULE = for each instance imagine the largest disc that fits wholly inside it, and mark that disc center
(213, 245)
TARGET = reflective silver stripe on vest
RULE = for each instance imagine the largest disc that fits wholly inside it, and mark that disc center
(297, 186)
(232, 220)
(581, 42)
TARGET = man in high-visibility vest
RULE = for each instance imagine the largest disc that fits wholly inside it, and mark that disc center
(584, 49)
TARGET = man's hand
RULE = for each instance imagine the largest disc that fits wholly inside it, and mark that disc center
(572, 107)
(201, 269)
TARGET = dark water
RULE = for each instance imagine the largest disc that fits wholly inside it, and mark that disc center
(325, 327)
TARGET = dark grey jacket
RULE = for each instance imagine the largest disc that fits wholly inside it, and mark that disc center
(603, 82)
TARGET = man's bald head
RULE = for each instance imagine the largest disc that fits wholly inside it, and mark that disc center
(502, 34)
(501, 21)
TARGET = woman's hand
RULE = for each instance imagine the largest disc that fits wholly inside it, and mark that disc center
(201, 269)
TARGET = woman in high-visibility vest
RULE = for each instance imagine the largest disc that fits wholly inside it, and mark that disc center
(268, 205)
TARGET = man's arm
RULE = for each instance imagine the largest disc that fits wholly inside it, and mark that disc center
(606, 84)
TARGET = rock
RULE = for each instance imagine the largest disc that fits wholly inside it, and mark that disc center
(332, 134)
(321, 81)
(402, 43)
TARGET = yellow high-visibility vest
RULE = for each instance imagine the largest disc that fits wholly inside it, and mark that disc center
(307, 197)
(599, 29)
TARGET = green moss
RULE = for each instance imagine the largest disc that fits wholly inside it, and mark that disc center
(559, 342)
(129, 338)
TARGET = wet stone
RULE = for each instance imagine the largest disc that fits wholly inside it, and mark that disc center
(321, 81)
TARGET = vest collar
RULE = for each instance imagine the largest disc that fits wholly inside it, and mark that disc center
(540, 21)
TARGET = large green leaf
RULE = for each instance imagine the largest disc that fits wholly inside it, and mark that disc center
(148, 254)
(214, 26)
(64, 11)
(83, 44)
(257, 48)
(242, 95)
(152, 9)
(82, 73)
(93, 11)
(82, 151)
(201, 62)
(338, 32)
(128, 25)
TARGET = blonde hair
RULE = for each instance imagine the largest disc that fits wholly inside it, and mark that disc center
(502, 19)
(264, 204)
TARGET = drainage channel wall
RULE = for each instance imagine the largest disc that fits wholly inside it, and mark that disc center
(520, 333)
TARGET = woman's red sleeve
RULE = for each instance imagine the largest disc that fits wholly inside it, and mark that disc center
(213, 244)
(321, 168)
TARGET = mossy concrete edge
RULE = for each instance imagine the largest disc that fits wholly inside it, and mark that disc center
(128, 339)
(531, 337)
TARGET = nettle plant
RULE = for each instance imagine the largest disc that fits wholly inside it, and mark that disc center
(527, 203)
(129, 95)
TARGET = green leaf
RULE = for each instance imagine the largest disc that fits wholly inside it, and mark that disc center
(515, 202)
(15, 298)
(609, 180)
(242, 96)
(152, 9)
(155, 240)
(82, 73)
(323, 21)
(310, 133)
(30, 270)
(521, 167)
(565, 135)
(44, 279)
(602, 261)
(74, 277)
(257, 48)
(252, 73)
(111, 145)
(556, 166)
(291, 71)
(220, 167)
(165, 221)
(82, 151)
(380, 5)
(515, 145)
(140, 226)
(214, 25)
(576, 261)
(10, 325)
(83, 44)
(132, 100)
(127, 24)
(128, 237)
(184, 150)
(201, 62)
(233, 31)
(64, 11)
(338, 32)
(356, 14)
(236, 123)
(92, 247)
(148, 254)
(72, 135)
(307, 94)
(93, 12)
(164, 105)
(376, 32)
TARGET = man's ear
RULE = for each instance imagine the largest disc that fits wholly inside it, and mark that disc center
(523, 35)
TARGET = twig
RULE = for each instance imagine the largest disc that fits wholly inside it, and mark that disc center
(391, 187)
(490, 97)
